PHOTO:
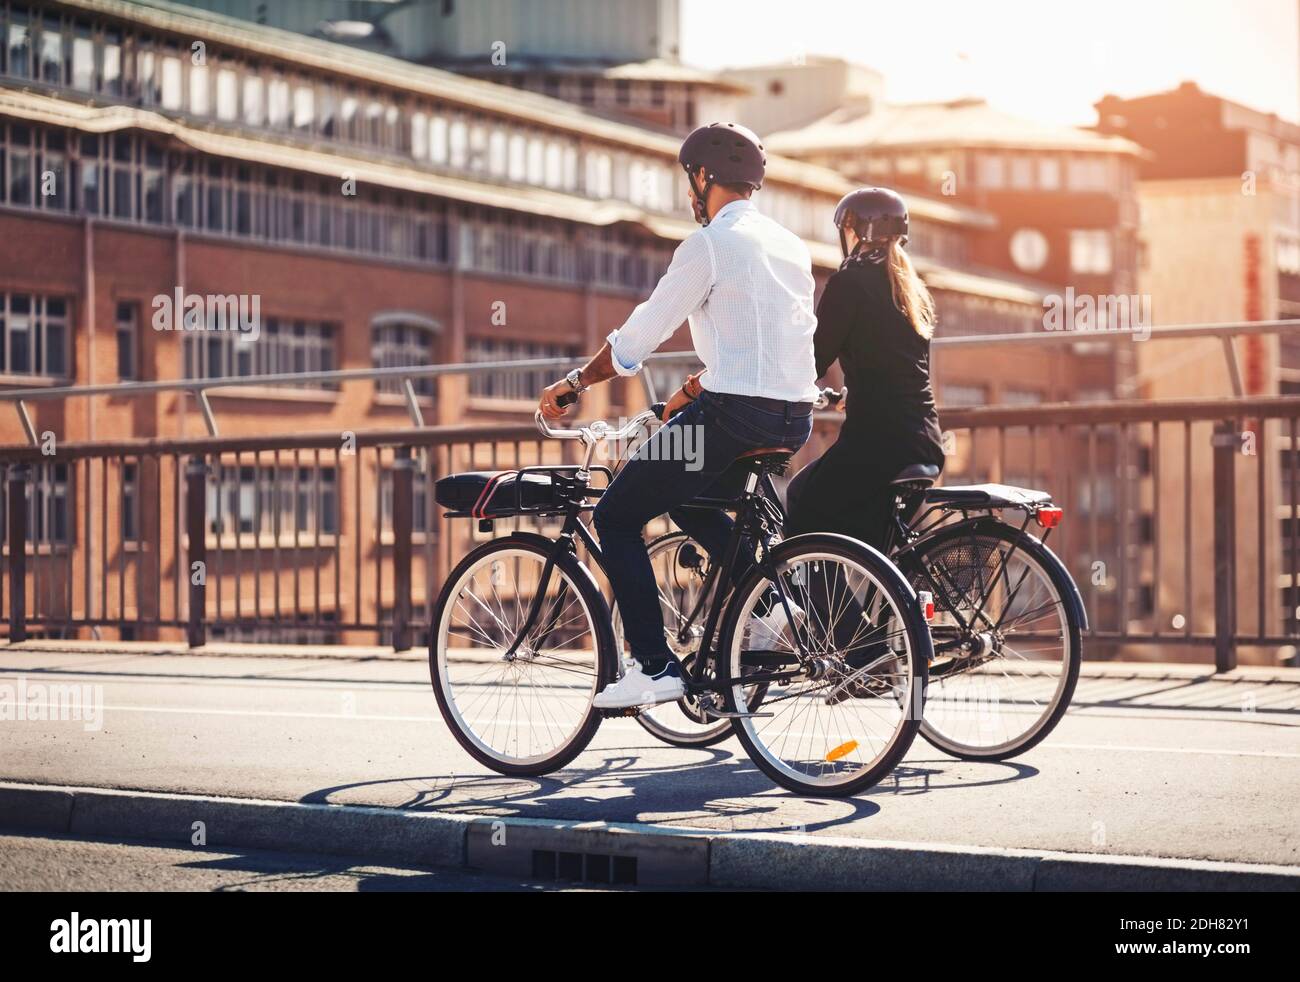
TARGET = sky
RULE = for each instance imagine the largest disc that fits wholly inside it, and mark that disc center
(1044, 59)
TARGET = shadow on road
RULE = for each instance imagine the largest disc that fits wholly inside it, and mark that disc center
(711, 788)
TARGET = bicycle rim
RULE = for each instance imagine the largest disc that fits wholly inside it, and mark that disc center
(844, 730)
(1006, 690)
(531, 708)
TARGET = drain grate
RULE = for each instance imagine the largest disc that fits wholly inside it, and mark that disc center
(583, 867)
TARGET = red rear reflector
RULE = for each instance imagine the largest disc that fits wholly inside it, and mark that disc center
(926, 600)
(1049, 518)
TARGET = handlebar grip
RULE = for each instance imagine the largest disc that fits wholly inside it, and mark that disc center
(658, 409)
(568, 399)
(831, 397)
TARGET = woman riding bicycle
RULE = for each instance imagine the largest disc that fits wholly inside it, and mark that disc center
(875, 317)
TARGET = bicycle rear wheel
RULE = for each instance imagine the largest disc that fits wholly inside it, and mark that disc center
(1008, 639)
(841, 722)
(520, 708)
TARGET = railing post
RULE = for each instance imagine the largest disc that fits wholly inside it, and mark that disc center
(403, 496)
(196, 501)
(1226, 442)
(18, 475)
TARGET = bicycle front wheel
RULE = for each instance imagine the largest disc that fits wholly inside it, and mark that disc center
(837, 720)
(519, 697)
(1007, 635)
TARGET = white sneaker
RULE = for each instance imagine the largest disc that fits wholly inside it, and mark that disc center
(766, 633)
(636, 688)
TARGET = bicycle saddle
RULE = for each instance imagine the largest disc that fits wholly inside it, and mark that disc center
(915, 477)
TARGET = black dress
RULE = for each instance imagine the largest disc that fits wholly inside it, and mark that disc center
(891, 420)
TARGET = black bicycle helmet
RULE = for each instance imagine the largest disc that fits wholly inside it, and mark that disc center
(729, 154)
(873, 213)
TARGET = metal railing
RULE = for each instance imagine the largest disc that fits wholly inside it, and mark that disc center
(200, 388)
(1182, 527)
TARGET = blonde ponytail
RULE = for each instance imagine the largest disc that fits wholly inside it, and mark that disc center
(911, 296)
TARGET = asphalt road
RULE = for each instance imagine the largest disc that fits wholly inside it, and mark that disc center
(64, 863)
(1145, 764)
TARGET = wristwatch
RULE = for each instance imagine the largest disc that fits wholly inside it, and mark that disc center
(574, 378)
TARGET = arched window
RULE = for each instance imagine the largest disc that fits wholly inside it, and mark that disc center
(403, 340)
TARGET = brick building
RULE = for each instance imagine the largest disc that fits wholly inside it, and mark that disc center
(384, 214)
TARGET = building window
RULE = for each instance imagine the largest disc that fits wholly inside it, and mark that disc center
(1088, 173)
(520, 385)
(83, 64)
(403, 344)
(954, 394)
(51, 51)
(304, 107)
(171, 83)
(253, 100)
(422, 518)
(284, 347)
(227, 95)
(273, 501)
(992, 171)
(1021, 397)
(130, 519)
(110, 78)
(1090, 252)
(19, 44)
(199, 90)
(33, 335)
(1049, 173)
(48, 516)
(127, 323)
(1022, 173)
(277, 102)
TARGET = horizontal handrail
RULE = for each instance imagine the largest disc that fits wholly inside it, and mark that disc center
(427, 436)
(1040, 414)
(43, 393)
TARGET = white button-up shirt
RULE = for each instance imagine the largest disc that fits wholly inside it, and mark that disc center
(745, 284)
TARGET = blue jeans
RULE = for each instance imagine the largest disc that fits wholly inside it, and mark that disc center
(656, 481)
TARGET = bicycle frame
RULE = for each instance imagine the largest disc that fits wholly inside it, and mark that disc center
(754, 510)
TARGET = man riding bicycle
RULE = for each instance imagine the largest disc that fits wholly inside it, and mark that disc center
(745, 285)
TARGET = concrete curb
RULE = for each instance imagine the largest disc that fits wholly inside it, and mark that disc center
(664, 857)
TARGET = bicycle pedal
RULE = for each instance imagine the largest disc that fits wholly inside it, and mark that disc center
(616, 713)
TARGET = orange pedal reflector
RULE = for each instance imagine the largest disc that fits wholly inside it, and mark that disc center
(842, 750)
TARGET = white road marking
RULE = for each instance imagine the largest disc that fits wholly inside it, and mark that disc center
(1052, 745)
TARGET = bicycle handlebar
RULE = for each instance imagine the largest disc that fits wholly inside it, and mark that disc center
(829, 397)
(595, 431)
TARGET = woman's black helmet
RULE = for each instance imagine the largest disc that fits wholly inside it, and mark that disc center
(873, 213)
(729, 154)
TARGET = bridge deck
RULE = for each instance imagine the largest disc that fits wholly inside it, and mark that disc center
(1153, 760)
